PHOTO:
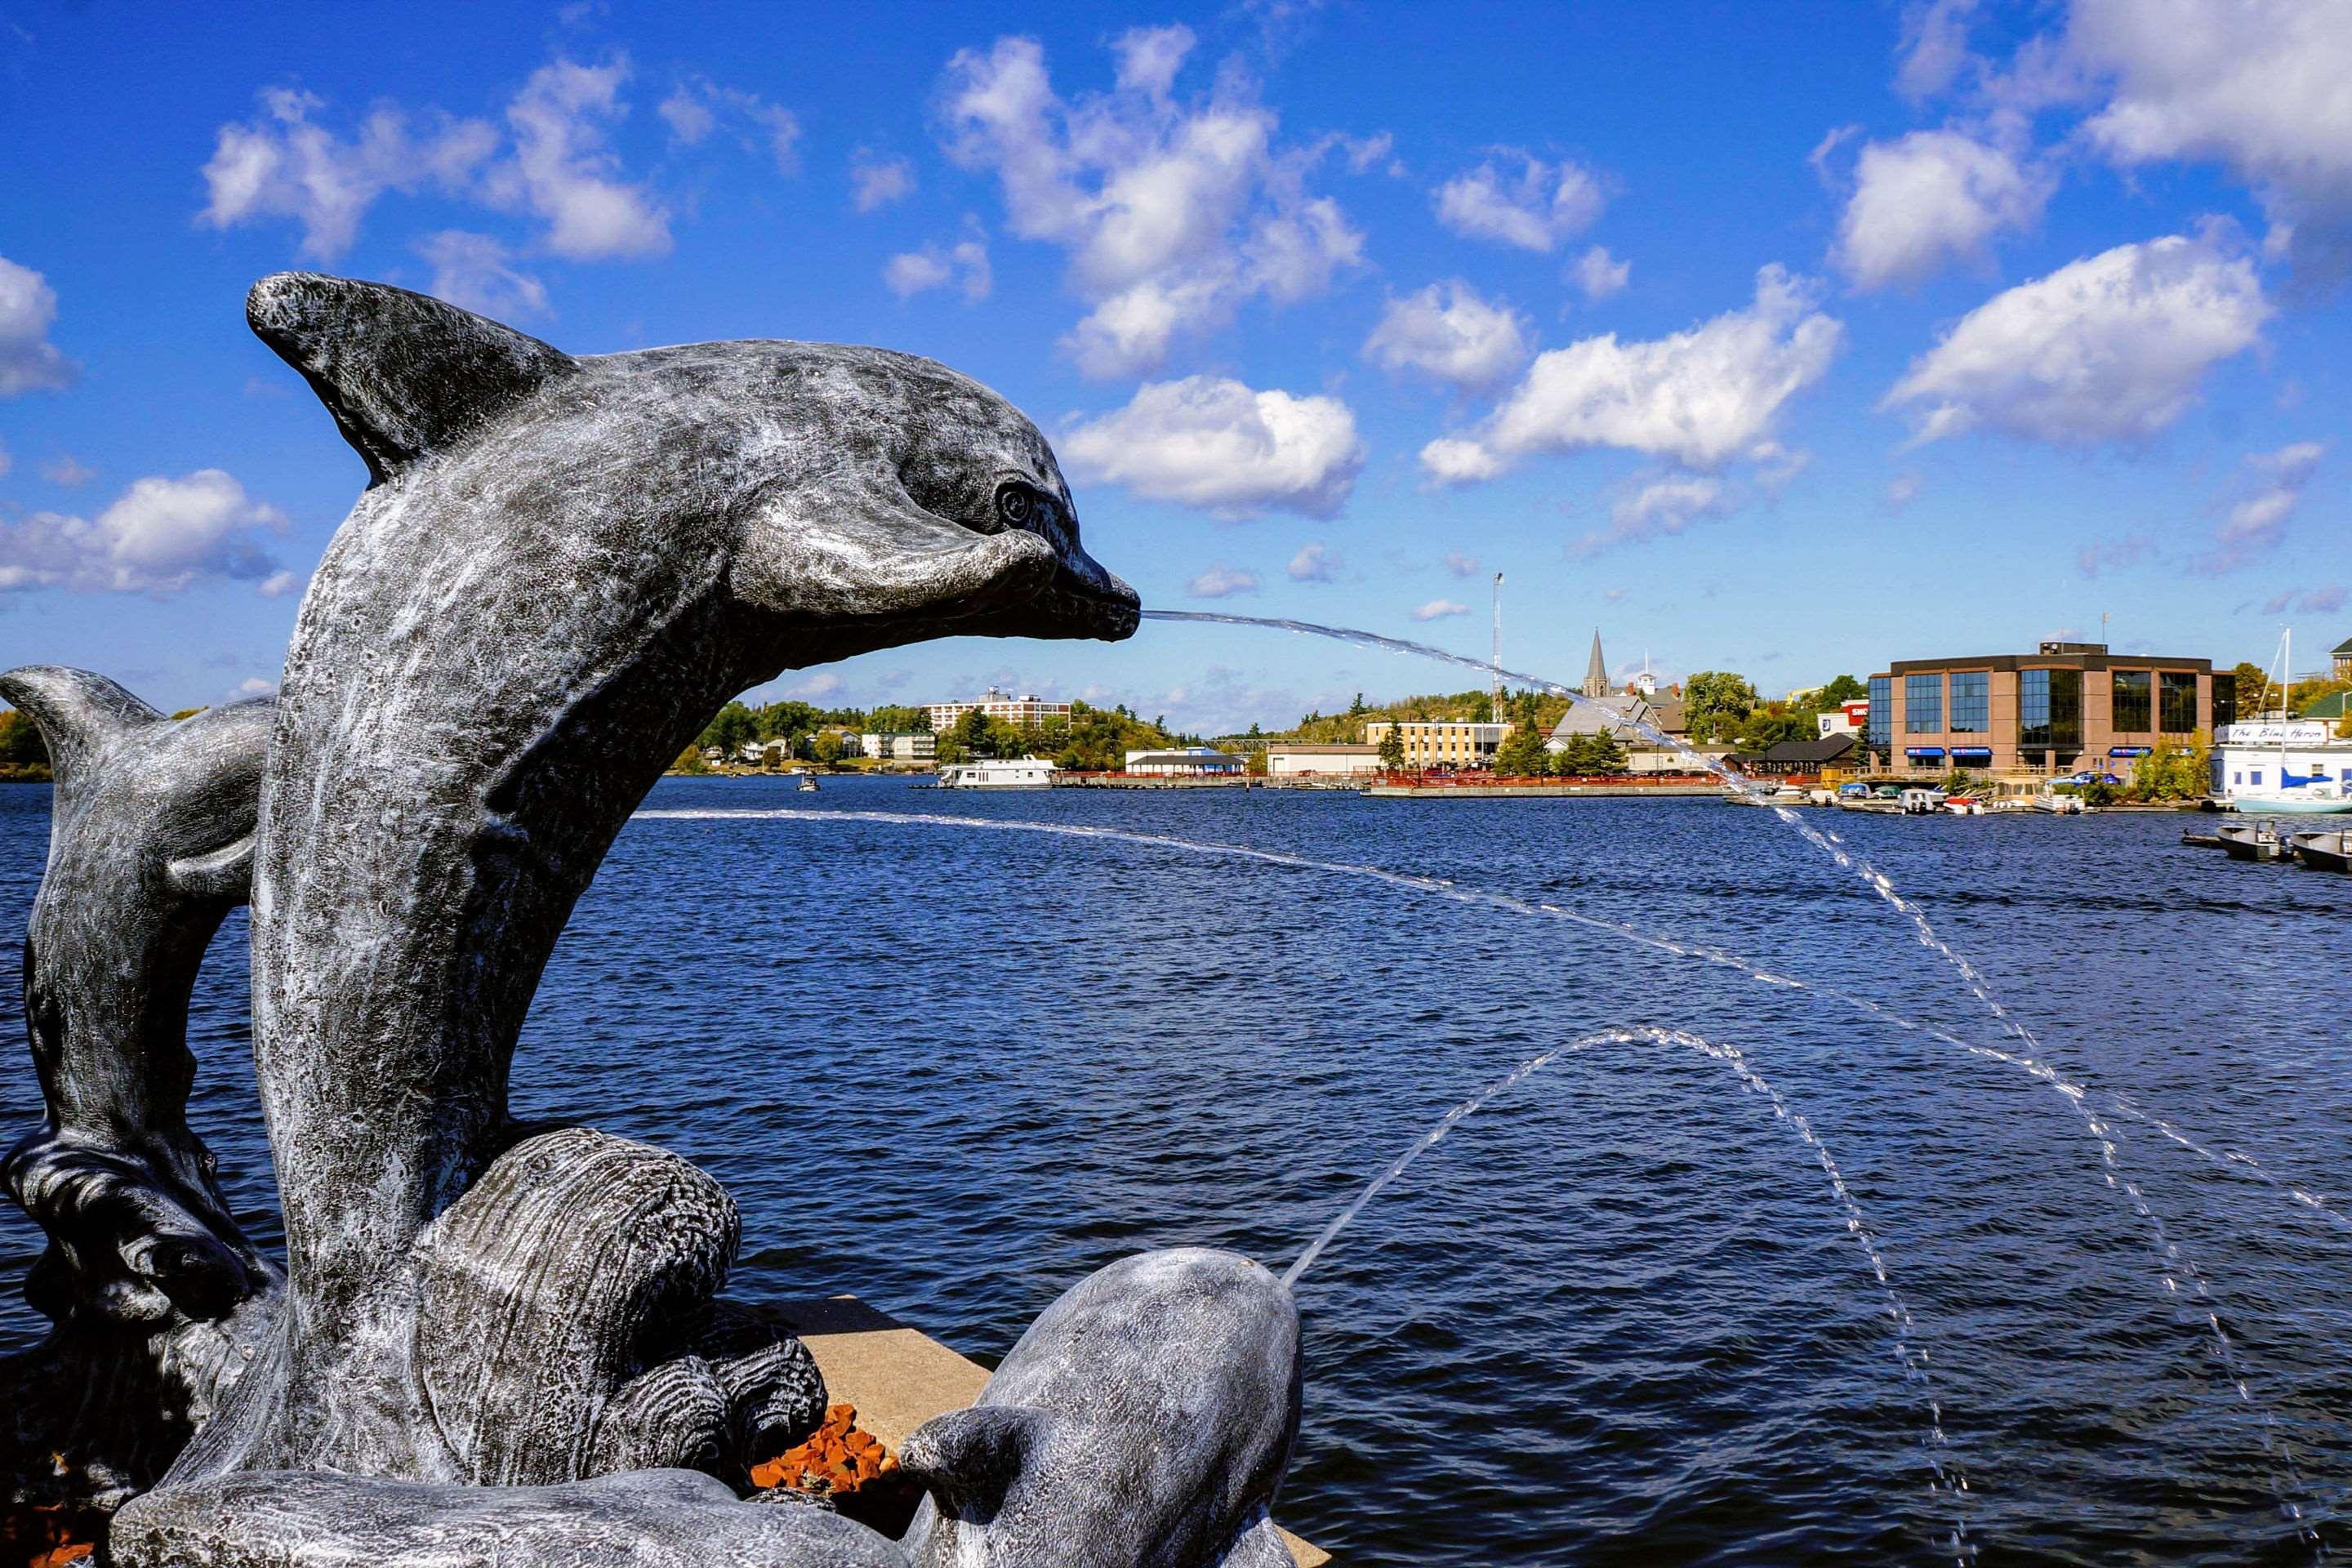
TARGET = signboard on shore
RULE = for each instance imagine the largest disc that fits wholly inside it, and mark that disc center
(2272, 732)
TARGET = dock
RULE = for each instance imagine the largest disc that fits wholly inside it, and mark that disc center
(1618, 790)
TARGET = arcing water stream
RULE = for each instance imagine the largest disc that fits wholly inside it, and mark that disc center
(2174, 1262)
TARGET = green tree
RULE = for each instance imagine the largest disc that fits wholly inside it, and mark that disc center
(1392, 748)
(1522, 756)
(731, 729)
(1715, 701)
(1844, 688)
(2253, 689)
(1770, 725)
(826, 747)
(690, 760)
(1604, 754)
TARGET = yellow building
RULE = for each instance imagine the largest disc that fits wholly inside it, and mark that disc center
(1450, 745)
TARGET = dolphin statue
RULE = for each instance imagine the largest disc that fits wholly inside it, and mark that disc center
(1144, 1421)
(146, 1275)
(560, 566)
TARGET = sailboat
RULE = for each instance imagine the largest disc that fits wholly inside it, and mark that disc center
(2295, 795)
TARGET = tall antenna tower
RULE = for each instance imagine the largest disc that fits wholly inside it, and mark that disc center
(1495, 701)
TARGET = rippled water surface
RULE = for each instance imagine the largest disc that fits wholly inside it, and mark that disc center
(1620, 1315)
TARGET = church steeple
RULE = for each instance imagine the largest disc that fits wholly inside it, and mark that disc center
(1596, 673)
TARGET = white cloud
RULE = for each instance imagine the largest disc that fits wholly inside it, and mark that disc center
(159, 536)
(2109, 348)
(964, 264)
(822, 684)
(1699, 397)
(2256, 523)
(2325, 601)
(1173, 215)
(1438, 609)
(1902, 491)
(1931, 199)
(875, 183)
(563, 171)
(1221, 582)
(2256, 86)
(699, 105)
(28, 361)
(62, 470)
(1314, 563)
(278, 584)
(1599, 274)
(1461, 565)
(282, 164)
(1534, 209)
(1448, 333)
(1935, 47)
(1665, 504)
(254, 686)
(477, 272)
(1213, 442)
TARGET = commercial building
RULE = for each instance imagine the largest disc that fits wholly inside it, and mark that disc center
(1846, 719)
(1190, 762)
(1433, 747)
(900, 745)
(1304, 759)
(1025, 712)
(2068, 707)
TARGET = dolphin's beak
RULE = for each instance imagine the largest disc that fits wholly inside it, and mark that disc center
(1088, 601)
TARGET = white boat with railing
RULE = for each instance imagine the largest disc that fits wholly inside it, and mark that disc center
(2277, 765)
(999, 773)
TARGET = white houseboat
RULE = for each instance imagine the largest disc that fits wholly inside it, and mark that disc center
(2282, 767)
(999, 773)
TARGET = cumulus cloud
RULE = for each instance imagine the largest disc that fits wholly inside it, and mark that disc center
(479, 273)
(2255, 524)
(1221, 582)
(1174, 215)
(876, 183)
(1935, 47)
(1439, 609)
(1314, 563)
(1516, 199)
(159, 536)
(2109, 348)
(1932, 198)
(2257, 87)
(1699, 397)
(28, 361)
(563, 171)
(1214, 443)
(963, 264)
(1448, 333)
(698, 107)
(552, 159)
(254, 686)
(1656, 505)
(1599, 274)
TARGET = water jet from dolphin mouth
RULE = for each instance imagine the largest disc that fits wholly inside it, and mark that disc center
(2172, 1262)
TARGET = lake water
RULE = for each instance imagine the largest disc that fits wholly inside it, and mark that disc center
(1618, 1316)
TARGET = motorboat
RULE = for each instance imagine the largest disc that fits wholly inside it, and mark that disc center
(1765, 795)
(808, 784)
(2323, 851)
(1921, 801)
(2250, 840)
(1965, 805)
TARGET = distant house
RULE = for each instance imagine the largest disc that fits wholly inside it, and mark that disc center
(900, 745)
(1617, 715)
(1846, 719)
(1191, 762)
(1792, 757)
(2324, 707)
(1299, 759)
(2343, 657)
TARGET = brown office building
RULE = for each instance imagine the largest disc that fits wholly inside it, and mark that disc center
(2070, 708)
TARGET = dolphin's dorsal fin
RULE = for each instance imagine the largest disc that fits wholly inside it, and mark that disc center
(967, 1460)
(78, 712)
(403, 373)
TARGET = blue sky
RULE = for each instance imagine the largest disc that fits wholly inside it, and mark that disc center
(1790, 339)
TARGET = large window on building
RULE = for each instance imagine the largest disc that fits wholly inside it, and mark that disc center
(2049, 711)
(2176, 701)
(1971, 702)
(2225, 700)
(2132, 708)
(1923, 704)
(1878, 727)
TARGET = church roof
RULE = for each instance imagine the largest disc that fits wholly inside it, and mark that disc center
(1596, 670)
(1614, 714)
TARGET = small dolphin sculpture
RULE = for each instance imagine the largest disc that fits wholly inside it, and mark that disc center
(150, 847)
(1144, 1421)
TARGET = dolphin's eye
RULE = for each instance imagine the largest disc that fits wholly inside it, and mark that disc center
(1014, 505)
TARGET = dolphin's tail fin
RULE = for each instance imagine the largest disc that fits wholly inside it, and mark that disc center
(79, 712)
(403, 373)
